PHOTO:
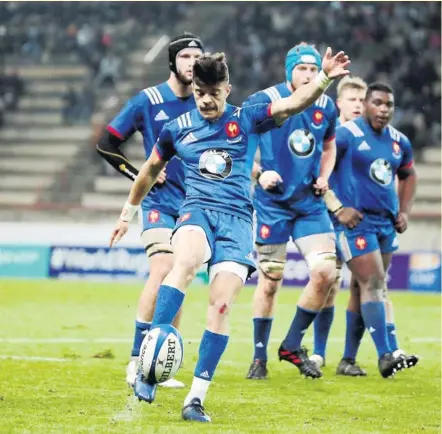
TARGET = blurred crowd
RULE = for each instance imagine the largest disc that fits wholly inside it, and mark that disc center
(11, 89)
(39, 32)
(95, 34)
(396, 42)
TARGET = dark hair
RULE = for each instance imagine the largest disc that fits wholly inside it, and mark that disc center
(211, 69)
(379, 87)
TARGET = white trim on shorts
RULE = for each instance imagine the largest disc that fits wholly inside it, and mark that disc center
(240, 270)
(345, 247)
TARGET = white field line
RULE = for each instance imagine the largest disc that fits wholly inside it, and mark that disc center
(33, 359)
(430, 340)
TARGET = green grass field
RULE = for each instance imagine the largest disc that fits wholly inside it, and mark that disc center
(65, 345)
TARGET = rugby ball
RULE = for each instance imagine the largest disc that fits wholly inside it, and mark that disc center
(161, 354)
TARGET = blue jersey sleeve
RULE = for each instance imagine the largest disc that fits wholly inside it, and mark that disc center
(256, 98)
(407, 153)
(258, 140)
(257, 118)
(164, 147)
(125, 123)
(343, 140)
(333, 117)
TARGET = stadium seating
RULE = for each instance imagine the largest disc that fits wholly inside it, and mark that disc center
(45, 160)
(428, 197)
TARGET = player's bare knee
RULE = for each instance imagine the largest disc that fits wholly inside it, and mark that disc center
(160, 267)
(335, 287)
(270, 285)
(385, 289)
(322, 270)
(186, 267)
(375, 289)
(219, 309)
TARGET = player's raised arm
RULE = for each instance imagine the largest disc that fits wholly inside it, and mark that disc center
(332, 67)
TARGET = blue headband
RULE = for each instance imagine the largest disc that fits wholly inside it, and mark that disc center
(301, 54)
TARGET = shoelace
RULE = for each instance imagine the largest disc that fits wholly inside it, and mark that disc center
(198, 408)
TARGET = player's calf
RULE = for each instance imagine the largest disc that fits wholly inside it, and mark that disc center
(269, 281)
(227, 278)
(225, 286)
(323, 321)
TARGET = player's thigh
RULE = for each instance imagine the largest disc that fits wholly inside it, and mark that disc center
(361, 252)
(233, 243)
(226, 280)
(388, 240)
(273, 225)
(192, 237)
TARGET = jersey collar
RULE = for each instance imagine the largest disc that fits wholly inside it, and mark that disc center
(227, 112)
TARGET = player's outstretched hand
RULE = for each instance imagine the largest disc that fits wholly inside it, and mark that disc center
(120, 229)
(349, 217)
(162, 177)
(335, 66)
(401, 222)
(269, 179)
(320, 186)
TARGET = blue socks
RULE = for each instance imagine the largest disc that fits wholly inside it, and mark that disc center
(168, 304)
(212, 347)
(169, 301)
(141, 329)
(322, 325)
(392, 340)
(353, 334)
(261, 334)
(374, 317)
(301, 322)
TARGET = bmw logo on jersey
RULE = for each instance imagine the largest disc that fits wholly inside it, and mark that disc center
(302, 143)
(215, 164)
(381, 171)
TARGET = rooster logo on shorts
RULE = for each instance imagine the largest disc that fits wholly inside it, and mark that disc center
(185, 217)
(361, 243)
(264, 232)
(154, 216)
